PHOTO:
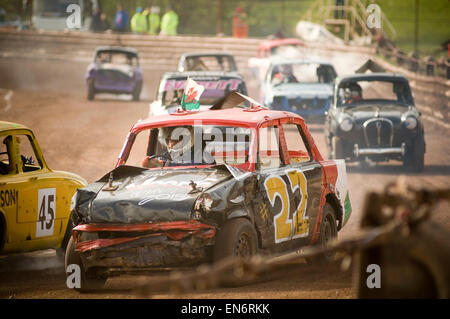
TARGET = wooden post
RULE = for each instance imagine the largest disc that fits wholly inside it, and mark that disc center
(219, 30)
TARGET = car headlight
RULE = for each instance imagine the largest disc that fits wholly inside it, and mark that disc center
(410, 122)
(346, 124)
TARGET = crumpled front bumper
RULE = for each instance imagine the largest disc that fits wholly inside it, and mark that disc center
(127, 247)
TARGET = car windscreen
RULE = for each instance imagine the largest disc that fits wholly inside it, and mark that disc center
(118, 58)
(210, 63)
(374, 91)
(303, 73)
(192, 145)
(285, 50)
(215, 88)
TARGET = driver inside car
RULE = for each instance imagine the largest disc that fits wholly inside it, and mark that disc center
(283, 74)
(353, 93)
(181, 149)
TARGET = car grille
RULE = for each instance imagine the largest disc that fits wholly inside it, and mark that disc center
(378, 132)
(299, 104)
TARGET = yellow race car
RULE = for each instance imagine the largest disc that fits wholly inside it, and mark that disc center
(34, 200)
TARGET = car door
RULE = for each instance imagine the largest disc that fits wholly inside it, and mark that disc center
(306, 180)
(275, 201)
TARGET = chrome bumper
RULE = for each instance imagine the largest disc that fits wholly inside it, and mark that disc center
(378, 151)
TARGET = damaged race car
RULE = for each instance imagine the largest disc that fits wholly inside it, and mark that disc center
(115, 70)
(231, 182)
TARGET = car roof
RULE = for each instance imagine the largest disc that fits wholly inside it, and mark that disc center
(5, 126)
(278, 61)
(116, 49)
(378, 76)
(268, 44)
(232, 116)
(218, 53)
(202, 74)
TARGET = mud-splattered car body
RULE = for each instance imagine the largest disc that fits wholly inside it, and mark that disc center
(139, 218)
(114, 70)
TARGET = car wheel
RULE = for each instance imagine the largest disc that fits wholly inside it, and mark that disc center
(87, 280)
(415, 156)
(336, 148)
(91, 90)
(137, 91)
(418, 162)
(236, 239)
(328, 232)
(61, 251)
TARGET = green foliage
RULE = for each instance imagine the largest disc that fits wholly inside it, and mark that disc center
(434, 22)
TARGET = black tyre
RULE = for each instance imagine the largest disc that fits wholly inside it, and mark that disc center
(88, 281)
(415, 156)
(236, 239)
(61, 251)
(336, 148)
(137, 91)
(328, 232)
(91, 90)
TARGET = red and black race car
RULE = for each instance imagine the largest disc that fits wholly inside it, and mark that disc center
(239, 181)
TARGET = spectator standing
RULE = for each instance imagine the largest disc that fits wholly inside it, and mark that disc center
(240, 27)
(169, 23)
(104, 23)
(138, 22)
(121, 19)
(153, 20)
(95, 23)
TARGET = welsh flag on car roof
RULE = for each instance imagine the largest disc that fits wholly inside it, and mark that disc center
(191, 95)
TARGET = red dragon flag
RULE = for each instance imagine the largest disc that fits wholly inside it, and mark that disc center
(191, 95)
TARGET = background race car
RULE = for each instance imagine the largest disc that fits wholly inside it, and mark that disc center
(207, 61)
(34, 200)
(373, 117)
(300, 86)
(114, 70)
(217, 84)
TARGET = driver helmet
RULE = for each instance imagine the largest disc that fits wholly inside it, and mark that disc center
(355, 90)
(184, 135)
(286, 69)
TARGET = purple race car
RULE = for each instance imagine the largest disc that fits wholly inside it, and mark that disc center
(114, 70)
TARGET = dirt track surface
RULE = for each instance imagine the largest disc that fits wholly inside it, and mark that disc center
(85, 138)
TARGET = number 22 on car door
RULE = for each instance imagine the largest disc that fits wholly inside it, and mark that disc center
(287, 228)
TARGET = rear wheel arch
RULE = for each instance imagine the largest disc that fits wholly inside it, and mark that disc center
(337, 207)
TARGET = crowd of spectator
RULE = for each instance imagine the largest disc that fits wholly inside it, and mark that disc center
(143, 21)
